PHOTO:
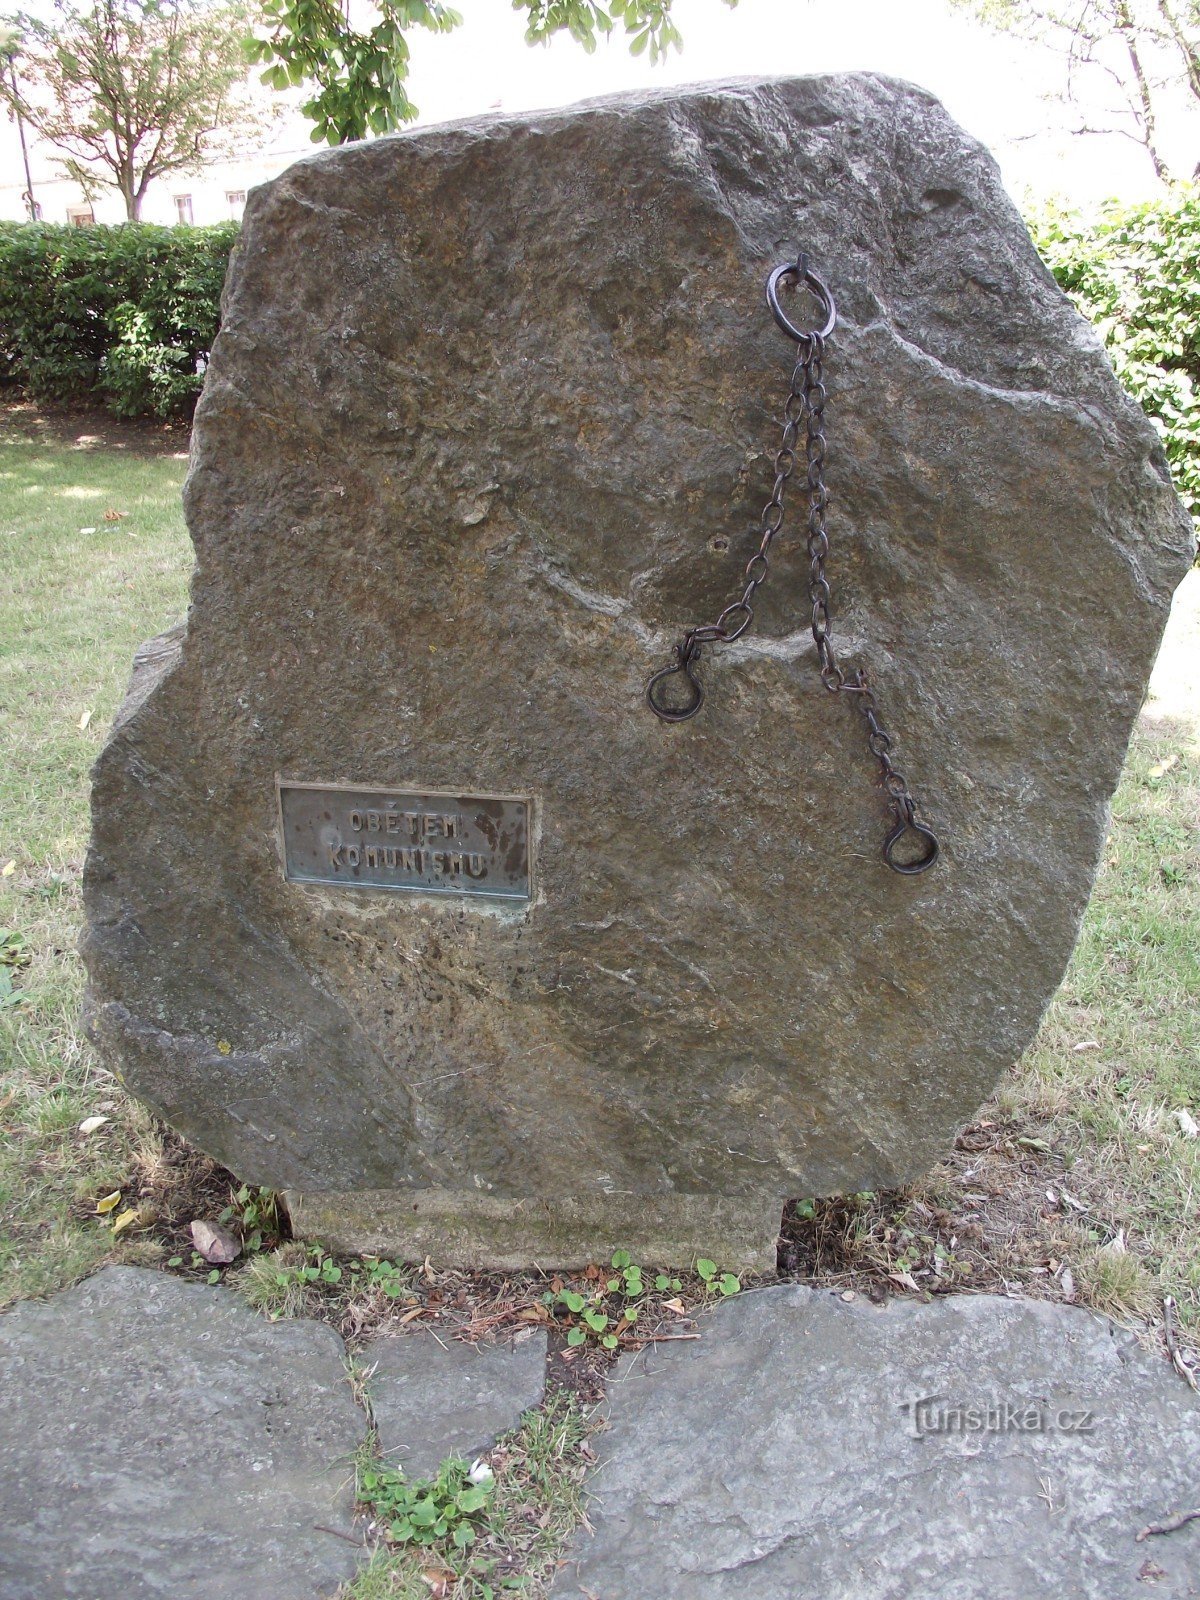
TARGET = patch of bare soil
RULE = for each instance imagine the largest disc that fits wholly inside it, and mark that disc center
(1001, 1215)
(88, 427)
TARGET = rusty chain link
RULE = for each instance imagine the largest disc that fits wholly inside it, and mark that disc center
(805, 404)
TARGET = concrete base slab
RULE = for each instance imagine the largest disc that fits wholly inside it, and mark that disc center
(462, 1228)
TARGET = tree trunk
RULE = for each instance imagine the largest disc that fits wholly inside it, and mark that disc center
(1188, 51)
(1127, 28)
(131, 193)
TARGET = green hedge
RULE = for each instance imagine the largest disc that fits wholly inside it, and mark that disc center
(1135, 272)
(124, 315)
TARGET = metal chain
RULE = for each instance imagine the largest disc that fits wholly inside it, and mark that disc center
(805, 403)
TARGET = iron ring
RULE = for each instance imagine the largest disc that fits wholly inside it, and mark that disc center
(910, 869)
(668, 713)
(800, 272)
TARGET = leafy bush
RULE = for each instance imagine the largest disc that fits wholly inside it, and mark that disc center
(1135, 272)
(126, 315)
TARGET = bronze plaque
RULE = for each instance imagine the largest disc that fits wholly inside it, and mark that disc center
(406, 840)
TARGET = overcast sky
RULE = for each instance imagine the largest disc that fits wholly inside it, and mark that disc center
(1000, 88)
(996, 86)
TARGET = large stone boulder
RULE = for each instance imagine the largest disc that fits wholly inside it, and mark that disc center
(489, 420)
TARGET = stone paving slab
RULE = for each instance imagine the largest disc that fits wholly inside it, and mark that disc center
(434, 1396)
(784, 1456)
(161, 1441)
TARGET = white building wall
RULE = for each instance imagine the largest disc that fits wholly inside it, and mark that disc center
(214, 194)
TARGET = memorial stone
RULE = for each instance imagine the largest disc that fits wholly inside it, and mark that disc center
(400, 899)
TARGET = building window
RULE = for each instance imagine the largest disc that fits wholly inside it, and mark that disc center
(183, 208)
(80, 216)
(235, 199)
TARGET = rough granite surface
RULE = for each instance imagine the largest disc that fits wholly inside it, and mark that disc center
(159, 1439)
(489, 420)
(432, 1397)
(781, 1456)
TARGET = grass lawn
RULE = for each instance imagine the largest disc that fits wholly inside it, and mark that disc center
(97, 559)
(1080, 1180)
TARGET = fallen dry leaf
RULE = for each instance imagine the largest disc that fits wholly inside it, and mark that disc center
(1068, 1284)
(7, 870)
(90, 1124)
(905, 1281)
(215, 1243)
(84, 720)
(109, 1203)
(1187, 1123)
(115, 516)
(1161, 768)
(125, 1220)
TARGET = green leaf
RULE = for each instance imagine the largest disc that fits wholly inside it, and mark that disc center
(729, 1284)
(424, 1514)
(576, 1336)
(464, 1535)
(706, 1269)
(573, 1302)
(621, 1259)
